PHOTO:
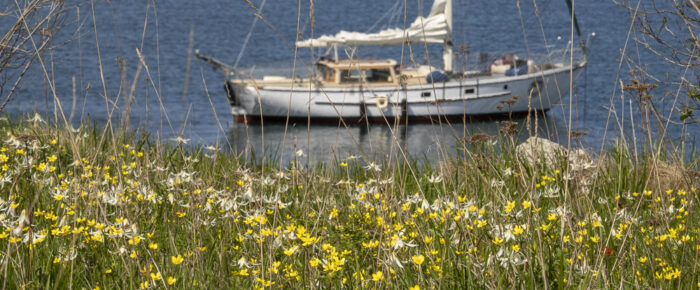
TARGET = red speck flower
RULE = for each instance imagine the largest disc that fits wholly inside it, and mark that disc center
(607, 251)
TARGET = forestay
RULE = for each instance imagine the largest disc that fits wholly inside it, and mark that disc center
(431, 29)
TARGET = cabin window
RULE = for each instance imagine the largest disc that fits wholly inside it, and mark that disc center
(350, 76)
(425, 94)
(469, 91)
(326, 74)
(370, 76)
(379, 75)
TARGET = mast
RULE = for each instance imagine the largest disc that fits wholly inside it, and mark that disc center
(447, 47)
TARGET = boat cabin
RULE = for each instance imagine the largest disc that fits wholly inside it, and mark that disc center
(355, 71)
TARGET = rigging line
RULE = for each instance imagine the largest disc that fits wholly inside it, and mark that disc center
(396, 18)
(250, 33)
(388, 14)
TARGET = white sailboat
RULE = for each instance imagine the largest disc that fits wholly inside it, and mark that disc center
(358, 89)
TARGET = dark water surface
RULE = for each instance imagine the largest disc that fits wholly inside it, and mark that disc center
(161, 31)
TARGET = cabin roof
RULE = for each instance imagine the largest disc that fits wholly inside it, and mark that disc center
(358, 63)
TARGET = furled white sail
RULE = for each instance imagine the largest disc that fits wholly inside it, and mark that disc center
(432, 29)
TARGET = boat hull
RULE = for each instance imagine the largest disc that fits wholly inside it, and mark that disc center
(453, 99)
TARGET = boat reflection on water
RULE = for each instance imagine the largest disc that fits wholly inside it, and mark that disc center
(424, 142)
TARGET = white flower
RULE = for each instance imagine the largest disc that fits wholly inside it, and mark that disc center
(424, 205)
(387, 181)
(36, 119)
(35, 237)
(68, 256)
(23, 219)
(242, 262)
(435, 179)
(399, 243)
(268, 181)
(180, 140)
(284, 204)
(281, 175)
(395, 260)
(551, 191)
(12, 141)
(373, 166)
(248, 194)
(497, 183)
(508, 172)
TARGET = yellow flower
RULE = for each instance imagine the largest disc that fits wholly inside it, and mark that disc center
(517, 230)
(243, 272)
(108, 271)
(343, 164)
(685, 238)
(171, 280)
(497, 241)
(427, 239)
(515, 248)
(314, 262)
(135, 240)
(177, 260)
(526, 204)
(509, 207)
(153, 246)
(414, 288)
(290, 251)
(155, 276)
(378, 276)
(418, 259)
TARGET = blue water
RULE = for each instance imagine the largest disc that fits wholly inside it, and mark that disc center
(161, 31)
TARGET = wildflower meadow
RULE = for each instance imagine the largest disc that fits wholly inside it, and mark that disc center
(95, 209)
